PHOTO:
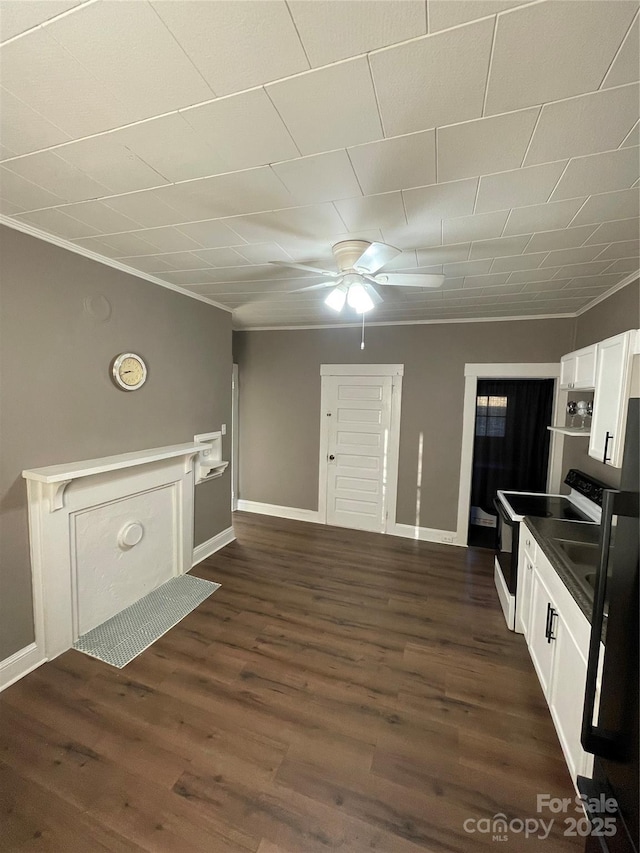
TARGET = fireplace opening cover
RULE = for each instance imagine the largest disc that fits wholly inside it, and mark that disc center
(127, 634)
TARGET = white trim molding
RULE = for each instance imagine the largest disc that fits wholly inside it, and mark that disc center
(406, 531)
(514, 371)
(424, 534)
(216, 543)
(292, 512)
(102, 259)
(616, 287)
(472, 373)
(362, 370)
(434, 322)
(21, 663)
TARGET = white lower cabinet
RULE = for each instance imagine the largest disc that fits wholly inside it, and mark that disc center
(541, 647)
(557, 634)
(566, 696)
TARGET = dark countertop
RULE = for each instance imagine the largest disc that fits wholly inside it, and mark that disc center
(546, 532)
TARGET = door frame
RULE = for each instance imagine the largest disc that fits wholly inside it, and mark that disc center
(472, 373)
(234, 437)
(396, 372)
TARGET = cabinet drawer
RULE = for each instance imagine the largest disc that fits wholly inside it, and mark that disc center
(529, 544)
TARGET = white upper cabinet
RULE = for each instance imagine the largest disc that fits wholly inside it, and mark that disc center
(613, 376)
(578, 369)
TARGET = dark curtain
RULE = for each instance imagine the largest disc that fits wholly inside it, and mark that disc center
(511, 447)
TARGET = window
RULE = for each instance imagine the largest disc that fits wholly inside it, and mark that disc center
(491, 416)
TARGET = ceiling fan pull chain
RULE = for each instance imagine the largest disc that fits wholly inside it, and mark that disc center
(362, 341)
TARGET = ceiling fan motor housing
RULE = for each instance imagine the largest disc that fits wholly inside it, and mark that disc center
(347, 253)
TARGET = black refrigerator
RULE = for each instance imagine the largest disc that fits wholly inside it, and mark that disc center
(610, 726)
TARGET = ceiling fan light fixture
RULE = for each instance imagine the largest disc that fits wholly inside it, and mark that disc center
(359, 299)
(336, 299)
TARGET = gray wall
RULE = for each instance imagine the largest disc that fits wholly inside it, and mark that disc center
(616, 314)
(58, 403)
(610, 317)
(279, 381)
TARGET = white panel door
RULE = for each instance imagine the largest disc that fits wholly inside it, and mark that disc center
(358, 413)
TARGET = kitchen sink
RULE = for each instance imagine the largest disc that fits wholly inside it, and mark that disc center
(580, 553)
(582, 562)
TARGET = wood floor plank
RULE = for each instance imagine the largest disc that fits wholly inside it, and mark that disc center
(341, 691)
(48, 823)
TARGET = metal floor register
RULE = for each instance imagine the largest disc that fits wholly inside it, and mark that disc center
(127, 634)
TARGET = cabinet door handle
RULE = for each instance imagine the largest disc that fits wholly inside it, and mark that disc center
(606, 447)
(547, 628)
(552, 615)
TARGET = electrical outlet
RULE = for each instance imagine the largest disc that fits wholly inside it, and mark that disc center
(447, 540)
(223, 429)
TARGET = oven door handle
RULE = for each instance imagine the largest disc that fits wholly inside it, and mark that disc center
(502, 511)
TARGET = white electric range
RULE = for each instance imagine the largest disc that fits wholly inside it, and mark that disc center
(583, 504)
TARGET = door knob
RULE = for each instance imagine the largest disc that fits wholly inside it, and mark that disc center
(332, 457)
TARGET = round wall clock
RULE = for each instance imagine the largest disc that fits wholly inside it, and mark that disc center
(128, 371)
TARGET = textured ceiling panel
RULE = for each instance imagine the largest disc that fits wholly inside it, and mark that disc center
(493, 141)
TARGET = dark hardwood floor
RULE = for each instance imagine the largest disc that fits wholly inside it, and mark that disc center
(341, 691)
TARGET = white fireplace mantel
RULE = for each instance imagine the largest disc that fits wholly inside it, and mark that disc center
(58, 477)
(105, 532)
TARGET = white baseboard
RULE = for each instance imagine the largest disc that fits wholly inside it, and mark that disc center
(291, 512)
(206, 549)
(425, 534)
(25, 660)
(408, 531)
(20, 664)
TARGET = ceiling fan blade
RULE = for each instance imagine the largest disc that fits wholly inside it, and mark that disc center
(316, 270)
(408, 279)
(373, 293)
(375, 256)
(322, 284)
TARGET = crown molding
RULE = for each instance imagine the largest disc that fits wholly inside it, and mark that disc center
(436, 322)
(564, 316)
(625, 281)
(110, 262)
(101, 259)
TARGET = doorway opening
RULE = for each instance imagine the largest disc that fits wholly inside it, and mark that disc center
(510, 447)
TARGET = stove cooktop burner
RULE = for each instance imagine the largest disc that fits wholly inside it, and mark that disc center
(545, 506)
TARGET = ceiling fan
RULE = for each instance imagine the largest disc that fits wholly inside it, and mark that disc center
(358, 263)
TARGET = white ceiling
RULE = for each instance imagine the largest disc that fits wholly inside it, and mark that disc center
(196, 140)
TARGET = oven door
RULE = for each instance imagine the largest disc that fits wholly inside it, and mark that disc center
(507, 546)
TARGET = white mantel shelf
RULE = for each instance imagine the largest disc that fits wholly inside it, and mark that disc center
(73, 470)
